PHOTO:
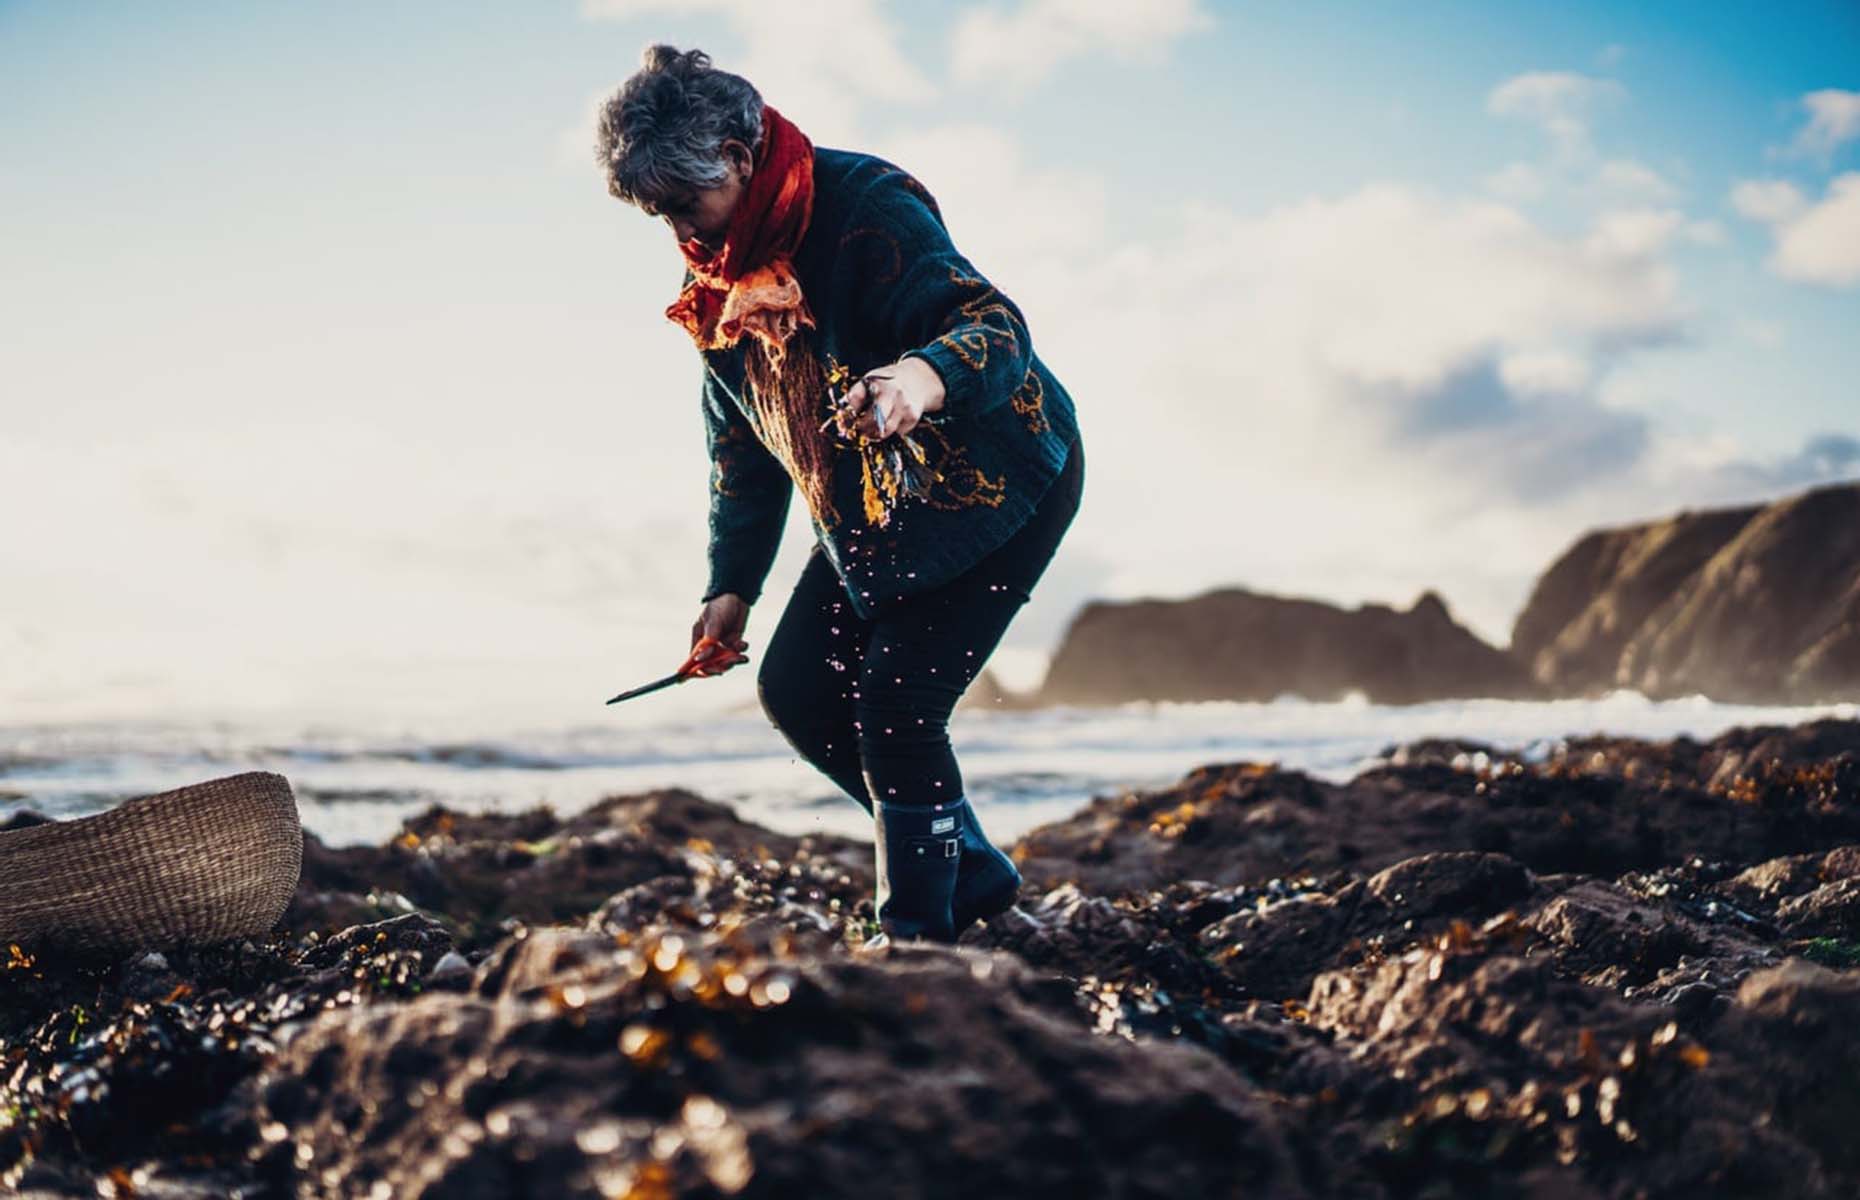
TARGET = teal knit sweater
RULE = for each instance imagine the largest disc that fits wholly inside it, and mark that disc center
(884, 281)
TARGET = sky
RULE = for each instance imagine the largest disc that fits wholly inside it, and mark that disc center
(333, 383)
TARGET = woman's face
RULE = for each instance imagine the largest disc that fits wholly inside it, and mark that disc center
(704, 213)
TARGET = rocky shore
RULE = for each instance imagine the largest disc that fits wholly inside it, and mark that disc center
(1627, 970)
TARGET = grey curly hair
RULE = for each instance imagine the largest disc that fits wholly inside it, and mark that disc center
(662, 131)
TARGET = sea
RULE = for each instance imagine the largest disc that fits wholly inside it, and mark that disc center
(356, 782)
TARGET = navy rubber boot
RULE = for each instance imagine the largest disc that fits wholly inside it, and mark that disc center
(919, 849)
(988, 882)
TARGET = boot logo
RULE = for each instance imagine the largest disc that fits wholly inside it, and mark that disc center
(942, 825)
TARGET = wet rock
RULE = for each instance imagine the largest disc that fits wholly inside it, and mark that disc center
(476, 872)
(415, 933)
(1790, 875)
(1516, 1073)
(679, 1067)
(1591, 807)
(147, 976)
(1798, 1018)
(1606, 935)
(1459, 884)
(1831, 910)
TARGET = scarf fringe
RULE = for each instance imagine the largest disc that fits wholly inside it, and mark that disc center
(788, 389)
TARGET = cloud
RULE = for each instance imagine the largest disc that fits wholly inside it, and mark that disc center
(1559, 102)
(1634, 180)
(998, 204)
(574, 144)
(1563, 104)
(818, 62)
(1545, 373)
(1815, 242)
(1833, 121)
(1020, 46)
(1771, 201)
(1827, 457)
(1550, 444)
(1770, 335)
(1409, 287)
(1519, 182)
(1635, 233)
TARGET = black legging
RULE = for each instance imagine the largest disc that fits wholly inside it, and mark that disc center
(868, 702)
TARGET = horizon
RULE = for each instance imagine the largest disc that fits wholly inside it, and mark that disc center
(336, 381)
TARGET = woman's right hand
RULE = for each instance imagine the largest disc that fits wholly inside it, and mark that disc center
(723, 618)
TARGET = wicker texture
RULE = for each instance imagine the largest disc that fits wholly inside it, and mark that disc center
(204, 863)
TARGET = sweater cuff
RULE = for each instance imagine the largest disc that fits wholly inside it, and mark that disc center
(959, 381)
(720, 584)
(707, 597)
(732, 569)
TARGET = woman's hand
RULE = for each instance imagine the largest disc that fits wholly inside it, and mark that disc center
(892, 399)
(723, 618)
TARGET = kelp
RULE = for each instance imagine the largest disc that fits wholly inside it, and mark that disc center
(891, 470)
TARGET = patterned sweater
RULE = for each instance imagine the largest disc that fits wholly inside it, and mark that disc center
(883, 280)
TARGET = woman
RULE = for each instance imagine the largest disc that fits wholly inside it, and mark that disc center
(939, 483)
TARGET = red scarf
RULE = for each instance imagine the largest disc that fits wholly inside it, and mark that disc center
(749, 287)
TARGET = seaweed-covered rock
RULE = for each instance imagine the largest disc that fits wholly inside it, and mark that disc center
(480, 872)
(688, 1065)
(1592, 807)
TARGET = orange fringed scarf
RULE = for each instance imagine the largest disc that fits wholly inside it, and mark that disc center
(749, 287)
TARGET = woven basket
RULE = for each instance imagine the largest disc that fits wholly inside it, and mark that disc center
(205, 863)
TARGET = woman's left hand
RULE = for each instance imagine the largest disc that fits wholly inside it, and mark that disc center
(892, 399)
